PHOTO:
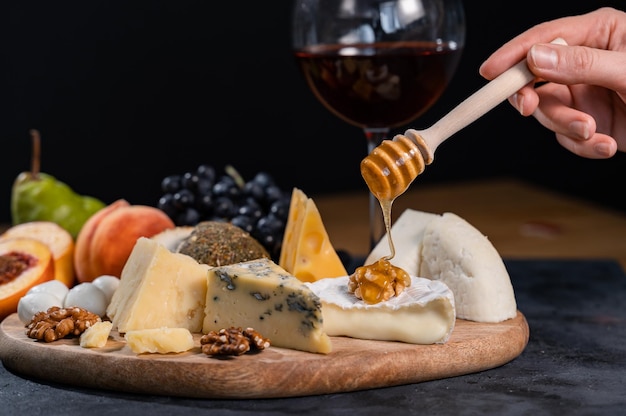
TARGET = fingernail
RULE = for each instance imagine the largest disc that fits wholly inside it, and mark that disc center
(543, 57)
(602, 149)
(518, 102)
(580, 128)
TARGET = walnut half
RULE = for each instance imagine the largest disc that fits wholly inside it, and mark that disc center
(57, 323)
(378, 282)
(232, 341)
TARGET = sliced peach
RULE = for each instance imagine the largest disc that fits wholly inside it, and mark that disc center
(24, 263)
(58, 240)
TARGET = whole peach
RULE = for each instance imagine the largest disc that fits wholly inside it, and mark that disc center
(108, 237)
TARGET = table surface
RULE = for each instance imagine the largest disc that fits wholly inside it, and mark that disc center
(566, 259)
(520, 220)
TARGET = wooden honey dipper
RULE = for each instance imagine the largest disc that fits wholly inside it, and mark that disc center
(390, 168)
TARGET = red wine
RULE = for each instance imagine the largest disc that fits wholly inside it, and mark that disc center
(378, 85)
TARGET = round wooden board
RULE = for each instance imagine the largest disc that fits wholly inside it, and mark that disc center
(275, 372)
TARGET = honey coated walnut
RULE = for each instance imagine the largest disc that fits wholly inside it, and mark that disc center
(378, 281)
(232, 341)
(57, 323)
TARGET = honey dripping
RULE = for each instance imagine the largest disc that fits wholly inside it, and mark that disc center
(388, 171)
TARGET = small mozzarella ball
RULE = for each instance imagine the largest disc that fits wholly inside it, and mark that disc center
(87, 296)
(53, 287)
(34, 302)
(108, 284)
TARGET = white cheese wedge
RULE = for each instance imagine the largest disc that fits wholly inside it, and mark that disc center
(307, 251)
(96, 336)
(456, 253)
(262, 295)
(157, 289)
(407, 233)
(159, 340)
(423, 313)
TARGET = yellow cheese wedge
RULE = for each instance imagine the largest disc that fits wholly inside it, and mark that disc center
(262, 295)
(307, 252)
(157, 289)
(159, 340)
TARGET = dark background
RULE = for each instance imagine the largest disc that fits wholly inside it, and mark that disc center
(125, 93)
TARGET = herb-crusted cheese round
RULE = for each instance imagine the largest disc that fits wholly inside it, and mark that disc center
(218, 243)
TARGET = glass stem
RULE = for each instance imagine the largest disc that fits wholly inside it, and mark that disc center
(374, 137)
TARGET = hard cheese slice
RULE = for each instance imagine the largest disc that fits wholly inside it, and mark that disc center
(307, 252)
(157, 289)
(159, 340)
(262, 295)
(423, 313)
(459, 255)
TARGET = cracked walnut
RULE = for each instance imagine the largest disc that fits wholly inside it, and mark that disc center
(57, 323)
(232, 341)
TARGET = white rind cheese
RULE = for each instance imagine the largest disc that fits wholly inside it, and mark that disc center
(423, 313)
(407, 233)
(448, 248)
(159, 340)
(262, 295)
(157, 289)
(456, 253)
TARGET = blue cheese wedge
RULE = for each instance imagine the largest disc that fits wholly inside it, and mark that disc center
(262, 295)
(423, 313)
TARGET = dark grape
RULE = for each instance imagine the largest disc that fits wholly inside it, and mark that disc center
(167, 205)
(226, 187)
(205, 203)
(206, 172)
(204, 186)
(272, 193)
(184, 198)
(189, 181)
(244, 222)
(280, 208)
(190, 216)
(171, 183)
(264, 179)
(224, 207)
(254, 190)
(251, 208)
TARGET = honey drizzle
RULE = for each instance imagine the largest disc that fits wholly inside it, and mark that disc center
(385, 206)
(388, 171)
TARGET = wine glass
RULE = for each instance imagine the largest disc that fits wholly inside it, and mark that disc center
(378, 64)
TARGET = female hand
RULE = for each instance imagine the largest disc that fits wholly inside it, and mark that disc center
(583, 99)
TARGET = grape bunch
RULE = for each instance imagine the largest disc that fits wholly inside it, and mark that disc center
(258, 206)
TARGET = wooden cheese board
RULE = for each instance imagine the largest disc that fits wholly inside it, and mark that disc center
(353, 365)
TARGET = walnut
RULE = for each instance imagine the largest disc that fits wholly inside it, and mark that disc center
(57, 323)
(232, 341)
(378, 281)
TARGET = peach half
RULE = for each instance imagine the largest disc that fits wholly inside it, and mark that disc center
(58, 240)
(24, 263)
(106, 240)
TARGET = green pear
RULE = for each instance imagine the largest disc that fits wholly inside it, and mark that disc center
(37, 196)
